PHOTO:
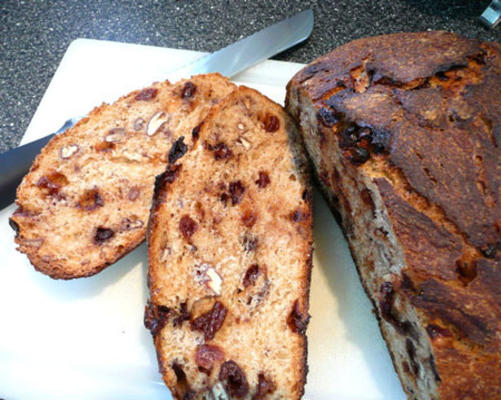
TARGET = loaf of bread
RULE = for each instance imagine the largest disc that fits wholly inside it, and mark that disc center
(230, 246)
(404, 131)
(86, 200)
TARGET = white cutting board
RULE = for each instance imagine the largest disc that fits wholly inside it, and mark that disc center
(85, 339)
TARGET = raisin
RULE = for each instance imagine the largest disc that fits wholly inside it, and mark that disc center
(52, 183)
(435, 331)
(147, 94)
(264, 386)
(189, 90)
(233, 379)
(177, 150)
(357, 155)
(221, 151)
(236, 191)
(271, 123)
(251, 275)
(155, 317)
(187, 226)
(133, 193)
(90, 200)
(411, 351)
(249, 219)
(327, 117)
(348, 137)
(184, 315)
(207, 355)
(263, 180)
(210, 322)
(298, 216)
(295, 320)
(195, 133)
(103, 234)
(434, 369)
(249, 243)
(105, 146)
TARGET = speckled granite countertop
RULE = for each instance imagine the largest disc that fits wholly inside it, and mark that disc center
(34, 34)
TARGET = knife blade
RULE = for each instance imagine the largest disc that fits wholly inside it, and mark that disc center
(228, 61)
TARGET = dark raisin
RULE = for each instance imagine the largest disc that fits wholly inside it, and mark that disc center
(251, 275)
(210, 322)
(233, 379)
(103, 234)
(249, 219)
(104, 146)
(365, 134)
(189, 90)
(386, 302)
(236, 191)
(177, 150)
(195, 133)
(296, 321)
(367, 199)
(271, 123)
(327, 117)
(264, 386)
(434, 369)
(249, 243)
(147, 94)
(221, 151)
(155, 317)
(348, 137)
(187, 226)
(14, 225)
(184, 315)
(263, 180)
(224, 198)
(133, 193)
(298, 216)
(52, 183)
(207, 355)
(357, 155)
(90, 200)
(411, 351)
(435, 331)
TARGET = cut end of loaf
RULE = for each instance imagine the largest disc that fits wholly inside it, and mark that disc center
(402, 137)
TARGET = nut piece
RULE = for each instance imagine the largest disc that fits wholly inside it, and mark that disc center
(156, 122)
(138, 124)
(244, 142)
(218, 392)
(115, 135)
(214, 281)
(66, 152)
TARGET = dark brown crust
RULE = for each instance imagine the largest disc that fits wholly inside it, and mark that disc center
(432, 101)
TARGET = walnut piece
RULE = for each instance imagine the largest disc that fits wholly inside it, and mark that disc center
(156, 122)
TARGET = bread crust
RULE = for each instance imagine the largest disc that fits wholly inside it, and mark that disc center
(431, 104)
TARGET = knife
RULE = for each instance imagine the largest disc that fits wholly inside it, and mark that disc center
(228, 61)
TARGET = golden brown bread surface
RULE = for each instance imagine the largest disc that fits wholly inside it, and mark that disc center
(230, 246)
(85, 202)
(404, 131)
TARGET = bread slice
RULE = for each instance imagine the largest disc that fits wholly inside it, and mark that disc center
(404, 131)
(85, 202)
(230, 246)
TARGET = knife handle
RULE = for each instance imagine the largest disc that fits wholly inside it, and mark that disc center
(14, 164)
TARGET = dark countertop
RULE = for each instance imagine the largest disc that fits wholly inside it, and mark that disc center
(35, 33)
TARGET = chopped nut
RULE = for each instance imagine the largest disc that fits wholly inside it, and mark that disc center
(115, 135)
(244, 142)
(214, 281)
(138, 124)
(68, 151)
(156, 122)
(218, 392)
(241, 126)
(129, 224)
